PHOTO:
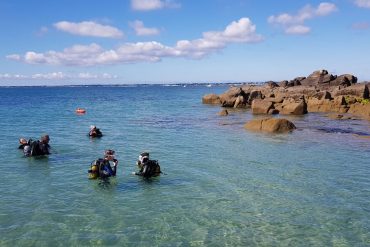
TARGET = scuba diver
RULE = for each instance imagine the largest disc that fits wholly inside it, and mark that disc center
(95, 132)
(22, 143)
(37, 148)
(148, 168)
(101, 168)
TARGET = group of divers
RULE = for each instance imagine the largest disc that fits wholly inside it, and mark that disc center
(100, 168)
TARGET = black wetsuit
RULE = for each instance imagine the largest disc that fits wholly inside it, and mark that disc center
(95, 133)
(149, 169)
(38, 148)
(45, 148)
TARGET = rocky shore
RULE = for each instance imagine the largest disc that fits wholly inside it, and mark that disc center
(318, 92)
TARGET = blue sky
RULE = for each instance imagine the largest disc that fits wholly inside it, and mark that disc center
(176, 41)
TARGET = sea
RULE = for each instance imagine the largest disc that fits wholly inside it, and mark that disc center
(221, 184)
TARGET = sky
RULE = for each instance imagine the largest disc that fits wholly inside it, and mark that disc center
(180, 41)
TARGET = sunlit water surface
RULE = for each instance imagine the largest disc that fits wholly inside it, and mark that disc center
(223, 185)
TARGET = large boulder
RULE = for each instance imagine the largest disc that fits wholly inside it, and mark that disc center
(318, 77)
(229, 98)
(223, 112)
(255, 94)
(293, 106)
(272, 125)
(295, 92)
(338, 104)
(357, 90)
(271, 84)
(344, 80)
(274, 99)
(295, 82)
(260, 106)
(283, 83)
(248, 88)
(360, 109)
(322, 95)
(211, 99)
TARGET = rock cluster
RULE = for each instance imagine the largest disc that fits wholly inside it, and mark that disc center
(319, 92)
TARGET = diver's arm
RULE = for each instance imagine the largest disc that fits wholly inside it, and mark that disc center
(114, 169)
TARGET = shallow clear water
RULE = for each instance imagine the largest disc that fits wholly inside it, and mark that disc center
(224, 186)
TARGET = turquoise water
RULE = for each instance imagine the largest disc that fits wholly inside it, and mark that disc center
(224, 186)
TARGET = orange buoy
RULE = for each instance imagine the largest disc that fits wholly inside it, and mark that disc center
(80, 111)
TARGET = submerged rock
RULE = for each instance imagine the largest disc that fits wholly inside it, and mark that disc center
(223, 113)
(272, 125)
(342, 131)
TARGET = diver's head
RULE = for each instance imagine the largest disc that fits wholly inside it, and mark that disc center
(144, 157)
(22, 141)
(144, 154)
(109, 157)
(92, 127)
(109, 154)
(45, 139)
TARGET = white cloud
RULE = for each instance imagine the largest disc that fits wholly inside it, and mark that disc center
(42, 31)
(146, 5)
(363, 3)
(89, 28)
(59, 76)
(361, 26)
(237, 31)
(241, 31)
(298, 29)
(294, 24)
(49, 76)
(14, 57)
(10, 76)
(141, 30)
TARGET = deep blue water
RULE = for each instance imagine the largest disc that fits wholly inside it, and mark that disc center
(224, 186)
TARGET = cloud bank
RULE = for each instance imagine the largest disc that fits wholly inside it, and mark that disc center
(58, 76)
(147, 5)
(241, 31)
(363, 3)
(295, 24)
(89, 28)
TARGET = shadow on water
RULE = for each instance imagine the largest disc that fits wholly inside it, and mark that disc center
(38, 160)
(333, 130)
(113, 184)
(163, 180)
(38, 166)
(106, 184)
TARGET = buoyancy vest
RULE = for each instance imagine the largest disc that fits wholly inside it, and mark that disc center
(150, 168)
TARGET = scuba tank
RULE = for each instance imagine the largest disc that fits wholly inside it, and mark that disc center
(93, 173)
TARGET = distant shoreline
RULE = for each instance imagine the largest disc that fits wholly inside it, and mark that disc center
(141, 85)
